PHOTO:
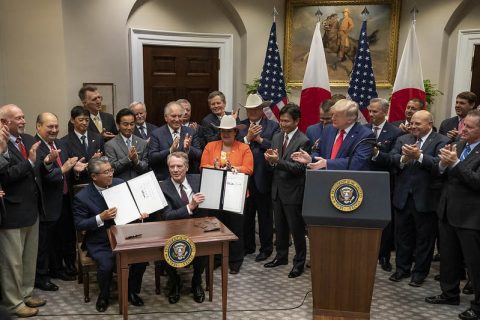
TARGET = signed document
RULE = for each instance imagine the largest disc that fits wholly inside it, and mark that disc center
(223, 190)
(141, 194)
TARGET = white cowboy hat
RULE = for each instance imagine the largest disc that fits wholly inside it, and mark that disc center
(227, 122)
(255, 100)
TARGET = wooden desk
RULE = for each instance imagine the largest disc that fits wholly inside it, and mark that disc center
(149, 247)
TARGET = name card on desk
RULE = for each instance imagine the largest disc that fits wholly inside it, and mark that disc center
(140, 194)
(223, 190)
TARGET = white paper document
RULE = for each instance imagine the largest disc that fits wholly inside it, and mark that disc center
(223, 190)
(211, 187)
(140, 194)
(120, 197)
(147, 193)
(235, 190)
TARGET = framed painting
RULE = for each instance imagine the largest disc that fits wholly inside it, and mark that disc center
(340, 24)
(108, 92)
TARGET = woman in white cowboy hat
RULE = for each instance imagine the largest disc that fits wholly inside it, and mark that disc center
(230, 154)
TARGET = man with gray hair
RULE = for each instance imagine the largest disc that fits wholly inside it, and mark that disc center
(335, 150)
(171, 137)
(143, 129)
(386, 135)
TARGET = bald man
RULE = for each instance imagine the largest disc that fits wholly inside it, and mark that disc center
(415, 196)
(56, 240)
(19, 228)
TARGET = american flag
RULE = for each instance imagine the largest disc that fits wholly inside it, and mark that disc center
(272, 83)
(362, 86)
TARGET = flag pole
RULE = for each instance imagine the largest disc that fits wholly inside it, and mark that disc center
(414, 12)
(365, 13)
(318, 14)
(275, 13)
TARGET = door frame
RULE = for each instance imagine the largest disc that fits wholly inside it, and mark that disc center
(140, 37)
(467, 39)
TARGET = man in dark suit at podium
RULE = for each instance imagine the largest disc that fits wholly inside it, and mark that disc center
(459, 221)
(91, 214)
(335, 149)
(287, 190)
(415, 157)
(183, 198)
(386, 135)
(258, 133)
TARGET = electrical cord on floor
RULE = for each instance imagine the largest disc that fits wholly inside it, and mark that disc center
(178, 312)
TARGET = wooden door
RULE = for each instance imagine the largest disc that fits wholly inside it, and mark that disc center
(475, 84)
(171, 73)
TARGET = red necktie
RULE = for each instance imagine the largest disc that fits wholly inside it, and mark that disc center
(461, 125)
(59, 163)
(337, 144)
(21, 147)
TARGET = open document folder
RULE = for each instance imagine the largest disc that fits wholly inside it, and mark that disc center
(223, 190)
(140, 194)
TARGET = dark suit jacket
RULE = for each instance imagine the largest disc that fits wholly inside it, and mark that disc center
(418, 179)
(397, 123)
(23, 188)
(459, 202)
(386, 140)
(314, 132)
(262, 177)
(361, 157)
(150, 128)
(117, 153)
(86, 205)
(108, 123)
(176, 208)
(208, 132)
(288, 175)
(448, 124)
(3, 166)
(159, 148)
(52, 180)
(75, 149)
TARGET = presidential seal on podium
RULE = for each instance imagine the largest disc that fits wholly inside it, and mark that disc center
(346, 195)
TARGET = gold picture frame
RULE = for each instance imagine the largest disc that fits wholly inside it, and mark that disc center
(382, 28)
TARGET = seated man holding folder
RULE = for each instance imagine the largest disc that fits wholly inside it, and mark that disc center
(183, 198)
(91, 214)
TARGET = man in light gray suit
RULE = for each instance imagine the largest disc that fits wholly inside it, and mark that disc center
(126, 152)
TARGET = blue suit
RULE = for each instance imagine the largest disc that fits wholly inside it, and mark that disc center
(87, 204)
(314, 133)
(159, 148)
(259, 186)
(361, 157)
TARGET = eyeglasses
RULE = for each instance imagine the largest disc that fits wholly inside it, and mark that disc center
(107, 172)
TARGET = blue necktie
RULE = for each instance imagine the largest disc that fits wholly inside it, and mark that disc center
(465, 152)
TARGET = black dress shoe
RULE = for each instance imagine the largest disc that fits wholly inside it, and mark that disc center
(468, 288)
(46, 286)
(134, 299)
(234, 268)
(275, 263)
(174, 293)
(398, 276)
(296, 271)
(198, 293)
(441, 299)
(262, 256)
(469, 314)
(62, 275)
(437, 277)
(385, 264)
(102, 304)
(416, 282)
(436, 257)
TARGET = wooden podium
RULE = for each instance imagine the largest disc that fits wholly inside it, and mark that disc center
(344, 245)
